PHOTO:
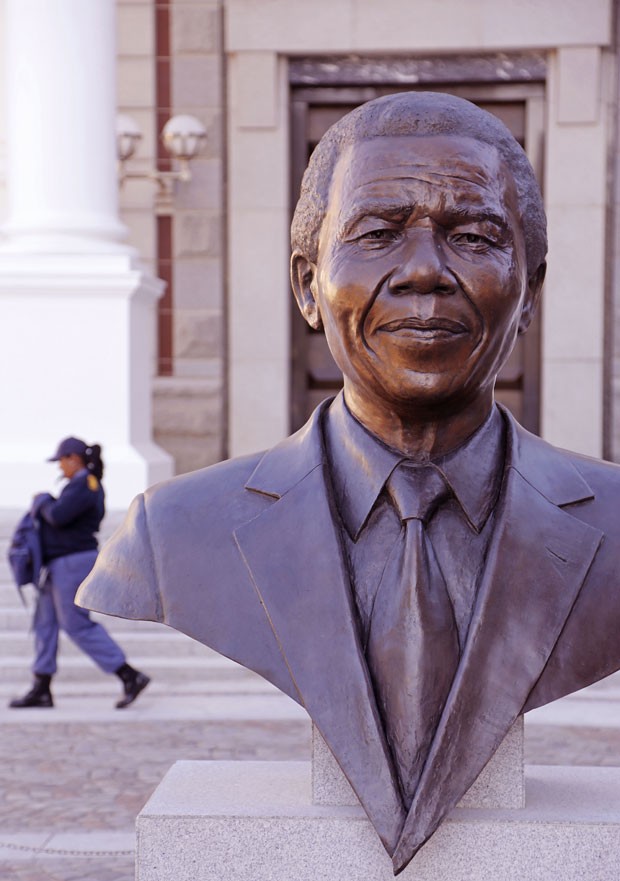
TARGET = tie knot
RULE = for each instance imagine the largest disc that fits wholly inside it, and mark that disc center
(417, 490)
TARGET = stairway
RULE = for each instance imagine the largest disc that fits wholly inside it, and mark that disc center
(189, 680)
(73, 778)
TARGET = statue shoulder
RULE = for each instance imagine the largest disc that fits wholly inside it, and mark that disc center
(186, 517)
(602, 476)
(201, 491)
(208, 501)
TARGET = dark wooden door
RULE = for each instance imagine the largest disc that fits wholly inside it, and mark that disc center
(314, 374)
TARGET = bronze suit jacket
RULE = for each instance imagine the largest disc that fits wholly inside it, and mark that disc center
(246, 557)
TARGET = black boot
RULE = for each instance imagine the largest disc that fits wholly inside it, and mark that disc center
(38, 696)
(133, 683)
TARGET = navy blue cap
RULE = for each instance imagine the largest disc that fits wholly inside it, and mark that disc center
(67, 447)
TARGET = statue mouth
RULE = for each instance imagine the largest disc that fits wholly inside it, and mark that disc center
(425, 328)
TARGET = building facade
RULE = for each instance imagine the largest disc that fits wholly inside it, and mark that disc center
(235, 369)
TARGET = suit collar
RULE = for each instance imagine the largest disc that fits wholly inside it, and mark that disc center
(286, 464)
(473, 471)
(352, 447)
(544, 467)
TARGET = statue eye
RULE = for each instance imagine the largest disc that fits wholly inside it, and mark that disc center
(471, 240)
(380, 236)
(376, 234)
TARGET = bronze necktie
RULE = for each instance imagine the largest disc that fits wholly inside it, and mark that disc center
(413, 647)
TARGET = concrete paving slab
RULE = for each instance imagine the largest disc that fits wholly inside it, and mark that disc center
(107, 686)
(151, 706)
(66, 844)
(21, 846)
(113, 843)
(585, 713)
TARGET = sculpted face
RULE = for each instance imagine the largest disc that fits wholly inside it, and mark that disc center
(421, 281)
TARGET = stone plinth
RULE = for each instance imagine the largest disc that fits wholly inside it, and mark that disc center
(255, 821)
(500, 785)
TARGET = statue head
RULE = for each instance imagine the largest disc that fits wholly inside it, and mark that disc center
(418, 245)
(416, 113)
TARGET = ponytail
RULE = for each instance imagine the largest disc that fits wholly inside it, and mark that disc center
(93, 460)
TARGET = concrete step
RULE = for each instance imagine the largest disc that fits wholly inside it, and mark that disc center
(9, 518)
(597, 706)
(165, 643)
(13, 616)
(6, 576)
(155, 705)
(79, 668)
(10, 598)
(101, 685)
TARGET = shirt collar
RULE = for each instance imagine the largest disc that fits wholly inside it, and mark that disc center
(361, 464)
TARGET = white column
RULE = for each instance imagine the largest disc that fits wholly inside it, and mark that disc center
(77, 328)
(60, 77)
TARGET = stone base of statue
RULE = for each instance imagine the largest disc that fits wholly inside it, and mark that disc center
(288, 821)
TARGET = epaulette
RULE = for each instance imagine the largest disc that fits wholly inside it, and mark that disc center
(92, 482)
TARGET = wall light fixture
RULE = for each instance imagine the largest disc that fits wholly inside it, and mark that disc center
(182, 136)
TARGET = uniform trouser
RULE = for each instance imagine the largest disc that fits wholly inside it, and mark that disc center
(56, 611)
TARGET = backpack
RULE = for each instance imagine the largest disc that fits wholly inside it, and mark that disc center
(25, 555)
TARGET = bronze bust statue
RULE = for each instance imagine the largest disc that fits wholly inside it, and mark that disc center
(412, 566)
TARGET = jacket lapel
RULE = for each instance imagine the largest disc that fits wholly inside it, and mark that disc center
(539, 557)
(294, 556)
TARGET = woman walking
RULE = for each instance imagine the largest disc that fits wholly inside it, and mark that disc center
(67, 527)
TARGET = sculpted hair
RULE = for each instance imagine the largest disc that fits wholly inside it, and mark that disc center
(416, 113)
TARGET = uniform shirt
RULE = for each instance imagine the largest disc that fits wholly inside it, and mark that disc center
(460, 529)
(69, 523)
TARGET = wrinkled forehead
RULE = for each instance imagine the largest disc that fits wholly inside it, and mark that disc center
(457, 171)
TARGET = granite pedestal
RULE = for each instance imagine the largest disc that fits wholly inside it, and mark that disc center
(284, 821)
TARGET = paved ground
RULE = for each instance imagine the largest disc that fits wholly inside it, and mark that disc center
(72, 779)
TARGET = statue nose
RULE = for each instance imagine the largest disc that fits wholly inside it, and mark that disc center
(422, 269)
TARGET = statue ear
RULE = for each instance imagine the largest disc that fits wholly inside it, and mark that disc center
(304, 282)
(532, 297)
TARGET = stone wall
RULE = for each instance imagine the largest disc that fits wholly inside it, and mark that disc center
(189, 403)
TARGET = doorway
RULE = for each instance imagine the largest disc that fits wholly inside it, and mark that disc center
(314, 374)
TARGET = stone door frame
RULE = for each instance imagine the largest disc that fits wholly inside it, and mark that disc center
(259, 41)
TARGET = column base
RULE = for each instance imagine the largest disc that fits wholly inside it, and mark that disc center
(77, 355)
(129, 470)
(255, 821)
